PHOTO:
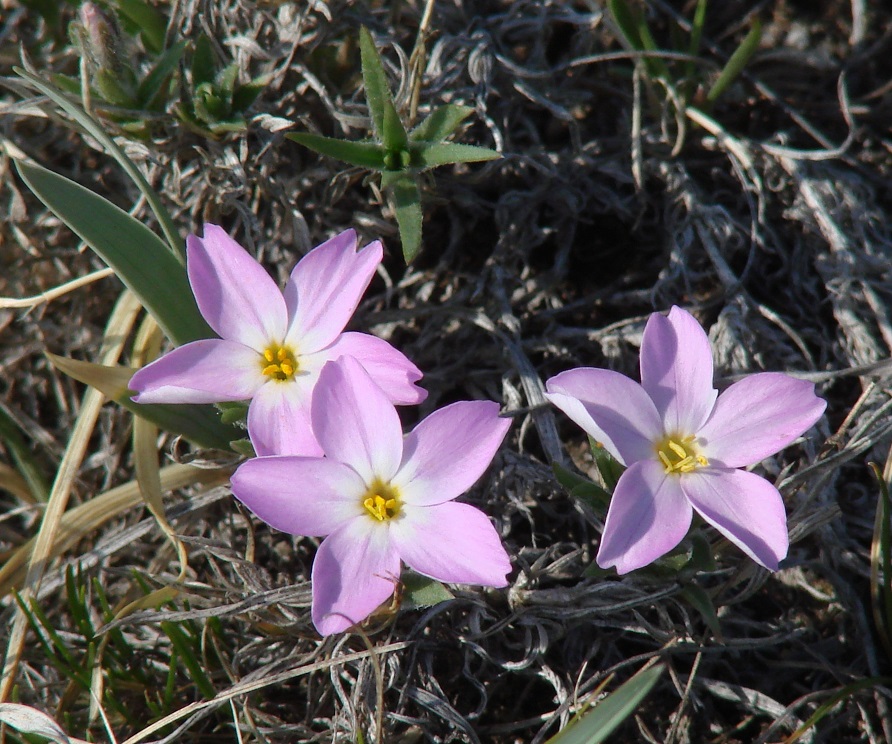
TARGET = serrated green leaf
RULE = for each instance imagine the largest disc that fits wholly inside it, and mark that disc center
(737, 62)
(700, 600)
(174, 242)
(364, 154)
(152, 84)
(198, 423)
(204, 62)
(387, 123)
(608, 467)
(137, 255)
(426, 155)
(406, 201)
(440, 123)
(150, 23)
(422, 591)
(596, 725)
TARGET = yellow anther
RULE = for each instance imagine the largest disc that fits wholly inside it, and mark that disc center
(279, 363)
(679, 454)
(381, 501)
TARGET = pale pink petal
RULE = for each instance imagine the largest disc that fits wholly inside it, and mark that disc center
(648, 516)
(354, 422)
(611, 408)
(745, 508)
(451, 542)
(676, 370)
(325, 288)
(758, 416)
(300, 495)
(236, 296)
(208, 371)
(387, 366)
(279, 420)
(449, 450)
(356, 570)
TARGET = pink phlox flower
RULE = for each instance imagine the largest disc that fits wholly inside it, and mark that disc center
(683, 444)
(380, 498)
(273, 345)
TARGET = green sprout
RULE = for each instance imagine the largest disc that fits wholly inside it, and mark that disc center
(216, 102)
(400, 156)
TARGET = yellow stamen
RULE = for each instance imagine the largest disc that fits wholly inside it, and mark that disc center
(679, 454)
(382, 501)
(279, 363)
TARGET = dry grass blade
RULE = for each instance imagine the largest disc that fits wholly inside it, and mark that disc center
(119, 325)
(56, 292)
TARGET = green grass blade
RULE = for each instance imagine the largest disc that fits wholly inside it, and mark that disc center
(841, 694)
(737, 62)
(697, 25)
(137, 255)
(200, 424)
(181, 643)
(364, 154)
(388, 125)
(424, 156)
(94, 128)
(406, 199)
(440, 123)
(596, 725)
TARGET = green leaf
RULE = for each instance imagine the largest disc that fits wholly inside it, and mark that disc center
(204, 62)
(364, 154)
(426, 155)
(152, 25)
(388, 125)
(93, 127)
(737, 62)
(152, 84)
(112, 91)
(188, 654)
(406, 202)
(422, 591)
(581, 488)
(245, 95)
(440, 123)
(198, 423)
(226, 80)
(22, 458)
(596, 725)
(700, 600)
(637, 35)
(137, 255)
(608, 467)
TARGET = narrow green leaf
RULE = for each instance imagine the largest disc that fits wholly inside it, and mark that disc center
(840, 694)
(596, 725)
(608, 467)
(226, 79)
(204, 63)
(364, 154)
(737, 62)
(440, 123)
(245, 95)
(426, 155)
(388, 125)
(627, 22)
(21, 456)
(152, 25)
(112, 91)
(406, 201)
(137, 255)
(185, 650)
(422, 591)
(152, 84)
(93, 127)
(700, 600)
(198, 423)
(581, 488)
